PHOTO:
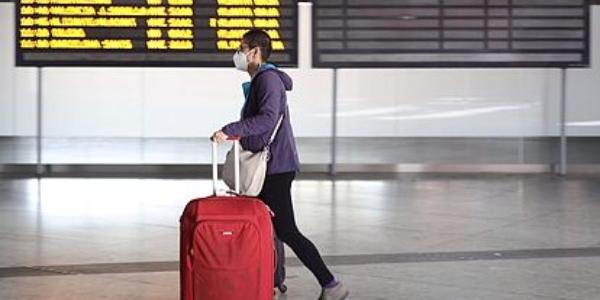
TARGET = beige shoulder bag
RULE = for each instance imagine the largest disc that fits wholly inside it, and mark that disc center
(253, 167)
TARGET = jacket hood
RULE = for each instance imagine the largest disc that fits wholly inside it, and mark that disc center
(285, 78)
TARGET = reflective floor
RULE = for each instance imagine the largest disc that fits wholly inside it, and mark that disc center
(411, 237)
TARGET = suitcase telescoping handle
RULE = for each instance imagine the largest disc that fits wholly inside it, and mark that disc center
(215, 163)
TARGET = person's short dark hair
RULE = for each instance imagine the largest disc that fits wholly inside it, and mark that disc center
(259, 38)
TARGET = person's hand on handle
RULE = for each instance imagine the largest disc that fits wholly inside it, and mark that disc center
(219, 137)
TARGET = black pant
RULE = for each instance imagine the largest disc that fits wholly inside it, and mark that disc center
(276, 193)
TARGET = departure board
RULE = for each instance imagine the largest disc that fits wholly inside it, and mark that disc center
(182, 33)
(450, 33)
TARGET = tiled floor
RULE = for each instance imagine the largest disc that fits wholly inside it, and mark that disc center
(386, 238)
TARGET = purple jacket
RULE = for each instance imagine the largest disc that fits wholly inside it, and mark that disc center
(264, 106)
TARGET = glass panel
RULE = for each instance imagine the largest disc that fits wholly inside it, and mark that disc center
(584, 105)
(433, 116)
(165, 116)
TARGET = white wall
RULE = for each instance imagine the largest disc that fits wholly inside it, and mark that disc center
(17, 86)
(7, 81)
(175, 102)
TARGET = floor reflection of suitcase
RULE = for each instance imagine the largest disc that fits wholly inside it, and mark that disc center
(226, 247)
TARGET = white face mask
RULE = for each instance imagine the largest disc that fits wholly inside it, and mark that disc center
(240, 60)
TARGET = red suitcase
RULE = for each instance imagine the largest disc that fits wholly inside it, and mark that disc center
(226, 247)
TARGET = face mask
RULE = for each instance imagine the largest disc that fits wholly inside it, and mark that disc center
(240, 61)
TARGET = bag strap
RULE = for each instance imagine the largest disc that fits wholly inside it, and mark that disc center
(276, 130)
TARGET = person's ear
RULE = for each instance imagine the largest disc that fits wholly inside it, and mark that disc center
(250, 56)
(256, 57)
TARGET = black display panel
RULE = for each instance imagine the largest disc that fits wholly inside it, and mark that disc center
(450, 33)
(179, 33)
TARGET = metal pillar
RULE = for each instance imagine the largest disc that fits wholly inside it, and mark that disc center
(333, 166)
(39, 111)
(562, 170)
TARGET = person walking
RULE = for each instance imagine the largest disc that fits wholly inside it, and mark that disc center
(265, 103)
